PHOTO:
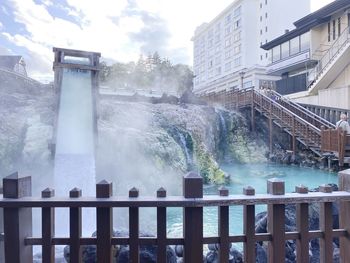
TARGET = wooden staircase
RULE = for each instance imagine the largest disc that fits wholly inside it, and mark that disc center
(301, 124)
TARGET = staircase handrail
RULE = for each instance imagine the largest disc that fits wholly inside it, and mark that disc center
(326, 59)
(309, 113)
(301, 120)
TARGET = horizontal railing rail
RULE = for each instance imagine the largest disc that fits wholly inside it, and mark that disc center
(17, 205)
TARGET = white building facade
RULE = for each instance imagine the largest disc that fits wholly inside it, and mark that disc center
(227, 49)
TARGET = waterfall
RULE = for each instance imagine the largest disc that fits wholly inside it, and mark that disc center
(223, 124)
(74, 159)
(188, 156)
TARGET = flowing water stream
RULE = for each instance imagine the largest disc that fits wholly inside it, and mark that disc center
(74, 159)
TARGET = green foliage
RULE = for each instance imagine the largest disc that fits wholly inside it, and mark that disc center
(150, 73)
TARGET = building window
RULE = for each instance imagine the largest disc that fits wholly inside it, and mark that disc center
(260, 18)
(228, 18)
(237, 49)
(285, 50)
(333, 29)
(237, 62)
(294, 46)
(218, 71)
(339, 26)
(260, 31)
(210, 64)
(265, 15)
(329, 31)
(237, 36)
(265, 2)
(276, 53)
(237, 11)
(228, 42)
(266, 55)
(228, 54)
(228, 30)
(228, 66)
(260, 5)
(237, 24)
(261, 57)
(217, 49)
(210, 43)
(305, 41)
(217, 60)
(265, 28)
(217, 38)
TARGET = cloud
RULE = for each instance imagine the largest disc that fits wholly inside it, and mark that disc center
(120, 30)
(5, 51)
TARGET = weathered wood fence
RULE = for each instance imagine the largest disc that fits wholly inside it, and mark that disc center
(17, 205)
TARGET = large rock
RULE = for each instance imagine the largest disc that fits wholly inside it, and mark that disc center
(147, 254)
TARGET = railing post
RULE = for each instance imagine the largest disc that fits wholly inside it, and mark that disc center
(161, 228)
(134, 228)
(326, 225)
(17, 220)
(193, 219)
(75, 228)
(302, 211)
(275, 223)
(48, 228)
(223, 216)
(344, 215)
(249, 228)
(252, 111)
(104, 224)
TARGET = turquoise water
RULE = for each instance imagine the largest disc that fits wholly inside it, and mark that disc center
(256, 176)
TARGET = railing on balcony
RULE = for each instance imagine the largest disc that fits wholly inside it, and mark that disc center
(17, 204)
(328, 57)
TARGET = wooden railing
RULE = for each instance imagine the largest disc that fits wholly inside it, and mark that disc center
(17, 205)
(336, 141)
(330, 114)
(273, 108)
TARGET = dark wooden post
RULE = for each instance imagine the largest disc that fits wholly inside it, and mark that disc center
(302, 212)
(48, 228)
(275, 223)
(344, 215)
(249, 228)
(223, 221)
(104, 224)
(293, 136)
(326, 225)
(253, 111)
(75, 228)
(134, 228)
(17, 220)
(161, 228)
(193, 219)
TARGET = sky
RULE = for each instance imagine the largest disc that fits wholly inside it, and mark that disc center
(120, 29)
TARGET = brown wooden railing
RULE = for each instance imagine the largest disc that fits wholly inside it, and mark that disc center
(275, 111)
(17, 205)
(302, 124)
(335, 141)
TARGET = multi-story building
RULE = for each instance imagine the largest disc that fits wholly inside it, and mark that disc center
(313, 59)
(227, 50)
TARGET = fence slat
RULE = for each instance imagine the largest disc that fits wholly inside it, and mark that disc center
(104, 224)
(48, 229)
(161, 229)
(17, 221)
(326, 225)
(344, 214)
(223, 221)
(134, 229)
(193, 219)
(75, 228)
(275, 223)
(249, 228)
(302, 224)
